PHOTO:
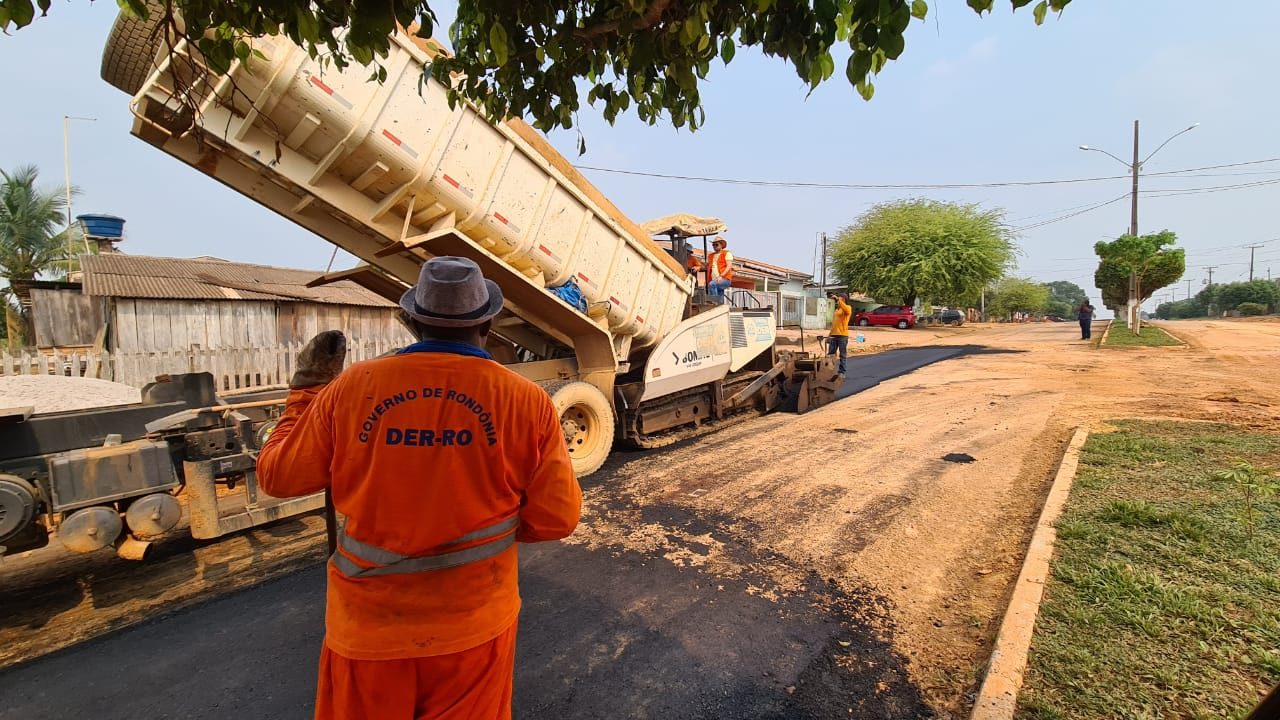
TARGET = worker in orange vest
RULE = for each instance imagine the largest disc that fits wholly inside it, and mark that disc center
(441, 460)
(838, 340)
(720, 270)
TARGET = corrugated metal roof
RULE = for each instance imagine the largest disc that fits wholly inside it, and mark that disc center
(141, 276)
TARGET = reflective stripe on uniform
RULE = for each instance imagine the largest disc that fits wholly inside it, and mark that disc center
(498, 537)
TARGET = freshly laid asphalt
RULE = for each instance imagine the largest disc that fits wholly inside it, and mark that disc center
(606, 632)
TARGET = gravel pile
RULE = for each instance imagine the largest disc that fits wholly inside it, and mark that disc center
(55, 393)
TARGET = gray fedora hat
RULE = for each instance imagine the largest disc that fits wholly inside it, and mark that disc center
(451, 292)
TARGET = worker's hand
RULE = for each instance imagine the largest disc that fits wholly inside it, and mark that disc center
(321, 360)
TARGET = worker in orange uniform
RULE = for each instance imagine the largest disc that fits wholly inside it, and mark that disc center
(441, 460)
(838, 339)
(720, 269)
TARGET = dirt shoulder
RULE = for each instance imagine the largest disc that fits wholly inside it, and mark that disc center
(857, 491)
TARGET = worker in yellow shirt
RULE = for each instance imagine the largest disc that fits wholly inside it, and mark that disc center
(838, 340)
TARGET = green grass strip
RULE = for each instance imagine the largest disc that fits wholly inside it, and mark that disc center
(1122, 336)
(1164, 593)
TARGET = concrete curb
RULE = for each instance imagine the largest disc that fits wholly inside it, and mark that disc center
(1165, 328)
(1106, 332)
(998, 696)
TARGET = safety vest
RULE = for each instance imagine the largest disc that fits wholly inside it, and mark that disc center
(721, 264)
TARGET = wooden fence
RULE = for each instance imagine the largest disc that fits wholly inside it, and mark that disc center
(232, 368)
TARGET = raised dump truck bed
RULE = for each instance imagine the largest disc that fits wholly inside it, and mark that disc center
(392, 174)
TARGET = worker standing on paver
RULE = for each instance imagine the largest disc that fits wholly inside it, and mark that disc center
(440, 459)
(720, 270)
(838, 340)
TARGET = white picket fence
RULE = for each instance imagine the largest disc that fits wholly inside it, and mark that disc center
(232, 368)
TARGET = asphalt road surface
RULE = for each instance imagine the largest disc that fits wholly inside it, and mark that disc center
(605, 632)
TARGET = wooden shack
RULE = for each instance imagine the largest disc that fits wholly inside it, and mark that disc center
(155, 304)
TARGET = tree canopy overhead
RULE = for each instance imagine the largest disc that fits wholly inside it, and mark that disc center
(909, 249)
(527, 57)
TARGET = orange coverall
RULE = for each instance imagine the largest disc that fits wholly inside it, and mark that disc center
(422, 450)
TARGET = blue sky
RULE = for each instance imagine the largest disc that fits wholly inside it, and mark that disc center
(972, 100)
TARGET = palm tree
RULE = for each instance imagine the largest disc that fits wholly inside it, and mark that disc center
(30, 244)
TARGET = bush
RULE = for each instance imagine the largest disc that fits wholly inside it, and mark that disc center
(1250, 308)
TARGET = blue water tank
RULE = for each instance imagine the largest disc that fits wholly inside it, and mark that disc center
(107, 227)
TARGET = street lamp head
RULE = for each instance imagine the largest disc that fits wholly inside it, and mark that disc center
(1085, 147)
(1194, 126)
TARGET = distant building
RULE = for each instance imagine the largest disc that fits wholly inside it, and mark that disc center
(136, 303)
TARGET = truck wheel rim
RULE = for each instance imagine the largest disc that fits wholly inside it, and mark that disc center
(581, 428)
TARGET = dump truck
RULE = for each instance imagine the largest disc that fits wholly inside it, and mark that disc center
(393, 174)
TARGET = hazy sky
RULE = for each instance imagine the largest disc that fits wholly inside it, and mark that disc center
(973, 100)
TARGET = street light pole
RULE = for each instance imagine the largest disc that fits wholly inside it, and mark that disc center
(1135, 167)
(66, 169)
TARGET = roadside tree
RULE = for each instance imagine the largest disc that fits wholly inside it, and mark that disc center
(909, 249)
(1013, 295)
(1182, 309)
(30, 244)
(1148, 259)
(1064, 298)
(531, 59)
(1229, 296)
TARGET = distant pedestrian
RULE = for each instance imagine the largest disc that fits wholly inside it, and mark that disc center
(1085, 315)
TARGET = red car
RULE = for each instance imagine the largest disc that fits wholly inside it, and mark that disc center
(899, 316)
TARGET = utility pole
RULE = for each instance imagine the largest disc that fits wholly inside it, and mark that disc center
(1134, 296)
(823, 281)
(1188, 289)
(1252, 248)
(1211, 268)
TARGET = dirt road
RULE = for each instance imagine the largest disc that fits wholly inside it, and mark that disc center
(795, 566)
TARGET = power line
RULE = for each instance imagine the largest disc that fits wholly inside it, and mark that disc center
(1071, 215)
(902, 186)
(1162, 192)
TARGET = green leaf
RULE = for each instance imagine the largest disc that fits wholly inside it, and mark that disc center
(727, 49)
(893, 45)
(828, 65)
(498, 43)
(1020, 3)
(21, 12)
(1041, 9)
(878, 61)
(4, 17)
(308, 25)
(919, 8)
(242, 50)
(866, 90)
(857, 67)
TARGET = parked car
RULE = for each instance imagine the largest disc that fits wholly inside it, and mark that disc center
(947, 316)
(899, 316)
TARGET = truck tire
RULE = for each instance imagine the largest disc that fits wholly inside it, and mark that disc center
(586, 417)
(130, 53)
